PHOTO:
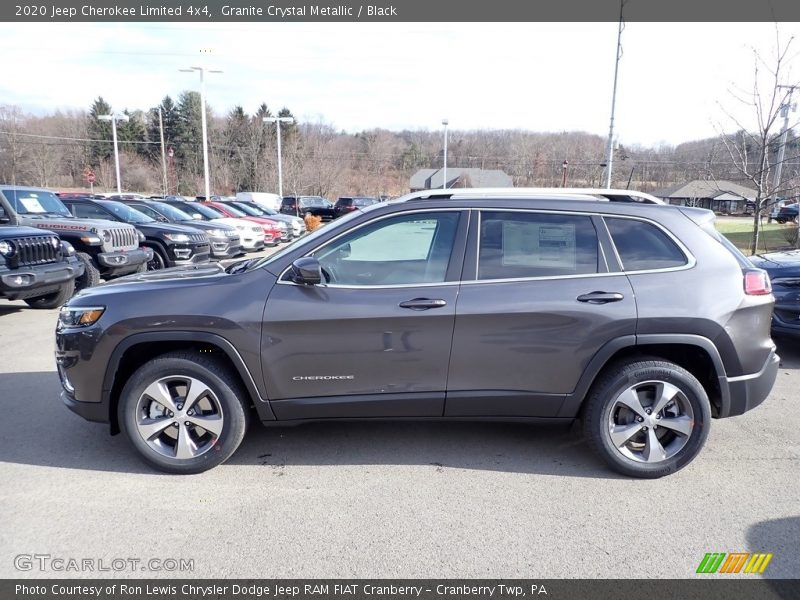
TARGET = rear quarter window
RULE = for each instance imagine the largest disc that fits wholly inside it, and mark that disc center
(644, 247)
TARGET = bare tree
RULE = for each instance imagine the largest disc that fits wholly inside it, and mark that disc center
(751, 150)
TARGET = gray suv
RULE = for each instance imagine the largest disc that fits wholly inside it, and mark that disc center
(638, 319)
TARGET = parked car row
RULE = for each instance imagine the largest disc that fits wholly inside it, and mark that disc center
(53, 244)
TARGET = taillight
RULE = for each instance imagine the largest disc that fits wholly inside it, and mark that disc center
(757, 283)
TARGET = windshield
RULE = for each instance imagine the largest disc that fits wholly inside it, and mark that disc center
(205, 211)
(125, 212)
(33, 202)
(171, 212)
(235, 211)
(364, 201)
(250, 210)
(316, 201)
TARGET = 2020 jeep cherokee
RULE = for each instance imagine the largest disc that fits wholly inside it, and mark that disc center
(471, 304)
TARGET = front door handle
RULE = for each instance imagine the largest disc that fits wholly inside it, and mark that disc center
(600, 297)
(423, 303)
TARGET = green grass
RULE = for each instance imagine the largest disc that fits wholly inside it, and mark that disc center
(740, 232)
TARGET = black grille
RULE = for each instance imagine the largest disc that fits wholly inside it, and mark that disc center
(37, 250)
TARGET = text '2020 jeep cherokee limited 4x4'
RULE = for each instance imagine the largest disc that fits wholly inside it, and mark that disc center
(472, 304)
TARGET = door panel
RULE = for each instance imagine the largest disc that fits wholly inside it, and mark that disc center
(322, 341)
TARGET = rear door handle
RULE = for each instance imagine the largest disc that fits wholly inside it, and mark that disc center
(423, 303)
(600, 297)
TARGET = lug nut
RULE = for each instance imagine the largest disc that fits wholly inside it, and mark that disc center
(186, 423)
(180, 406)
(171, 414)
(658, 416)
(648, 411)
(190, 412)
(639, 419)
(644, 428)
(175, 424)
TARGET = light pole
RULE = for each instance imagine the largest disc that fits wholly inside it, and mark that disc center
(564, 166)
(114, 117)
(278, 121)
(444, 170)
(202, 71)
(610, 143)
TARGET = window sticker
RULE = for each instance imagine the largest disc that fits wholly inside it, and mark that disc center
(539, 245)
(32, 204)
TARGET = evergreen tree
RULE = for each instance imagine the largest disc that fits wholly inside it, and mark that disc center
(101, 148)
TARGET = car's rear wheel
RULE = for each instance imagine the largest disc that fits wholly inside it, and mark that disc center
(647, 418)
(183, 412)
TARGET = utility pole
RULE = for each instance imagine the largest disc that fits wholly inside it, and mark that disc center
(114, 117)
(278, 121)
(163, 152)
(444, 161)
(786, 108)
(610, 144)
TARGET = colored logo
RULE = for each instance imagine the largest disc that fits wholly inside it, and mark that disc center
(736, 562)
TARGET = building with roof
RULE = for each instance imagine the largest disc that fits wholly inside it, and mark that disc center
(717, 195)
(430, 179)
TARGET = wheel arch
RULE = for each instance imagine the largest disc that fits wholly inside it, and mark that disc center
(135, 350)
(695, 353)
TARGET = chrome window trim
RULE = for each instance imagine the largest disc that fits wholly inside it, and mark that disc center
(281, 280)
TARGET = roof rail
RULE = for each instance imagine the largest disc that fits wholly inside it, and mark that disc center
(601, 194)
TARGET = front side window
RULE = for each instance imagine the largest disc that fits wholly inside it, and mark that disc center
(516, 245)
(642, 246)
(89, 211)
(405, 249)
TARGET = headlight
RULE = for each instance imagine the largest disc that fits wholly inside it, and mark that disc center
(67, 248)
(79, 316)
(106, 236)
(240, 227)
(282, 226)
(7, 249)
(177, 237)
(217, 232)
(140, 235)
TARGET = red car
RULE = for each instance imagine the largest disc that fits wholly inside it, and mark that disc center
(272, 229)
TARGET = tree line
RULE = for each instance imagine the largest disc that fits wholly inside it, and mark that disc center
(55, 150)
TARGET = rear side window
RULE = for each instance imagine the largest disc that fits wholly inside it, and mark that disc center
(642, 246)
(516, 245)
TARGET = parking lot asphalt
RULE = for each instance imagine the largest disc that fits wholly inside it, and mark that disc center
(384, 499)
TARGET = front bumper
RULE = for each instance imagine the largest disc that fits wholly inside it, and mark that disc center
(225, 247)
(189, 254)
(115, 264)
(30, 282)
(786, 315)
(748, 391)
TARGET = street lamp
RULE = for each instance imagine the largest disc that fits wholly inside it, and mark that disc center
(278, 121)
(564, 166)
(114, 117)
(203, 71)
(444, 170)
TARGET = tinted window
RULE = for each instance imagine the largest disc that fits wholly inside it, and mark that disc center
(643, 246)
(89, 211)
(405, 249)
(519, 244)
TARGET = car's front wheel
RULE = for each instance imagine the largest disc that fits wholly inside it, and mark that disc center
(647, 418)
(183, 412)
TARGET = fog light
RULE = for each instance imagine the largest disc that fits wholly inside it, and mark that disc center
(183, 253)
(117, 260)
(21, 280)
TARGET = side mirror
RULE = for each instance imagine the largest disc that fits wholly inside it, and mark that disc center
(306, 271)
(197, 216)
(4, 218)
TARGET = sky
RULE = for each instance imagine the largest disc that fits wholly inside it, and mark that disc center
(675, 79)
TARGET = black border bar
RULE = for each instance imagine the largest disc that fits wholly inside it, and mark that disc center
(214, 11)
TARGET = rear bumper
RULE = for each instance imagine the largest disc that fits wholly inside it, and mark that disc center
(748, 391)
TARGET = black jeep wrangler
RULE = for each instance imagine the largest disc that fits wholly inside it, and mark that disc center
(37, 267)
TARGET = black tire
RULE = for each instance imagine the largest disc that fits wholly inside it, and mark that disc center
(603, 411)
(55, 299)
(158, 262)
(780, 221)
(222, 383)
(91, 274)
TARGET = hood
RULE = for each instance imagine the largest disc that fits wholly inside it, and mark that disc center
(151, 281)
(233, 222)
(60, 224)
(165, 228)
(204, 225)
(9, 231)
(789, 258)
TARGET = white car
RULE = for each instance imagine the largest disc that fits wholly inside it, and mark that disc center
(251, 234)
(265, 199)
